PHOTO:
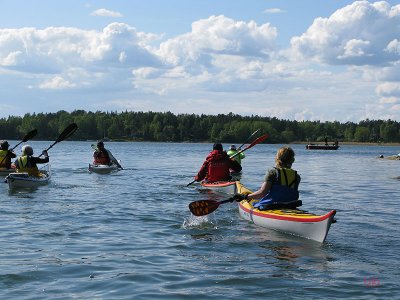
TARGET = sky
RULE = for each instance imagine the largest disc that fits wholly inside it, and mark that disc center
(326, 60)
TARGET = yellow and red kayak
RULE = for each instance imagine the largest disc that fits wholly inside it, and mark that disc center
(292, 221)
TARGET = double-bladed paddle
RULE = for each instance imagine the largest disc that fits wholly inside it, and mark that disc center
(70, 130)
(205, 207)
(248, 139)
(255, 142)
(27, 137)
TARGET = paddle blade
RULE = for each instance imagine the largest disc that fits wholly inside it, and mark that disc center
(29, 135)
(258, 140)
(203, 207)
(67, 132)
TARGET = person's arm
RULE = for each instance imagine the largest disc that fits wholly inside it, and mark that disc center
(38, 160)
(202, 173)
(264, 189)
(11, 154)
(113, 159)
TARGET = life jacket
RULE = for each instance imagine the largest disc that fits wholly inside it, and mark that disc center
(218, 166)
(3, 158)
(284, 190)
(25, 166)
(238, 157)
(101, 158)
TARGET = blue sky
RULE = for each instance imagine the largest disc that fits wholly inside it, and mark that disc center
(303, 60)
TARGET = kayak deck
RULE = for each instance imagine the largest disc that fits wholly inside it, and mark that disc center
(226, 187)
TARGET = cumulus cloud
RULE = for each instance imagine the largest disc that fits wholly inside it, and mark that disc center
(102, 12)
(362, 33)
(219, 35)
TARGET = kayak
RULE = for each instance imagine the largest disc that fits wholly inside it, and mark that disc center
(23, 180)
(227, 187)
(292, 221)
(103, 169)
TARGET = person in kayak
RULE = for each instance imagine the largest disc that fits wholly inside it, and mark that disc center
(232, 151)
(217, 166)
(281, 184)
(102, 156)
(6, 155)
(27, 163)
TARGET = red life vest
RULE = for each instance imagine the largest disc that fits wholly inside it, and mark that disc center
(219, 164)
(101, 158)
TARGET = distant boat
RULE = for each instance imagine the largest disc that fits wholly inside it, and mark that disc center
(322, 147)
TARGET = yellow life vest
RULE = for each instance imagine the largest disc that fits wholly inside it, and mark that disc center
(23, 167)
(287, 177)
(3, 158)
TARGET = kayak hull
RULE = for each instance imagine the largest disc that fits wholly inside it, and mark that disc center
(226, 187)
(292, 221)
(23, 180)
(102, 169)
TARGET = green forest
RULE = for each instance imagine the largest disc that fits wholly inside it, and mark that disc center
(169, 127)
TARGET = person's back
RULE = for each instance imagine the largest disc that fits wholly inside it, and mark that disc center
(217, 166)
(281, 183)
(100, 155)
(27, 163)
(5, 155)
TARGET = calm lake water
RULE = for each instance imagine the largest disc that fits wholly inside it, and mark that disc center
(130, 235)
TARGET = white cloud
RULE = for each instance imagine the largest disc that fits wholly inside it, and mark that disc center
(362, 33)
(219, 35)
(220, 65)
(102, 12)
(56, 82)
(273, 11)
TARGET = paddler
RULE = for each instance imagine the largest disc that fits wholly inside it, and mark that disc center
(232, 151)
(281, 183)
(27, 163)
(217, 166)
(6, 155)
(102, 156)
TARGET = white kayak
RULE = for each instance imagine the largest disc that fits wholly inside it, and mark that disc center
(103, 169)
(23, 180)
(293, 221)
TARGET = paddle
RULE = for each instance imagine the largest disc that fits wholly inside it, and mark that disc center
(248, 139)
(64, 135)
(205, 207)
(27, 137)
(255, 142)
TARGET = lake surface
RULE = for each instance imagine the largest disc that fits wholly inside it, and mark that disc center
(130, 235)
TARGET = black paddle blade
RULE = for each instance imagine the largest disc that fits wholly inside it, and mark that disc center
(203, 207)
(29, 135)
(67, 132)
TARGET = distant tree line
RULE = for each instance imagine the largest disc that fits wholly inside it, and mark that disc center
(168, 127)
